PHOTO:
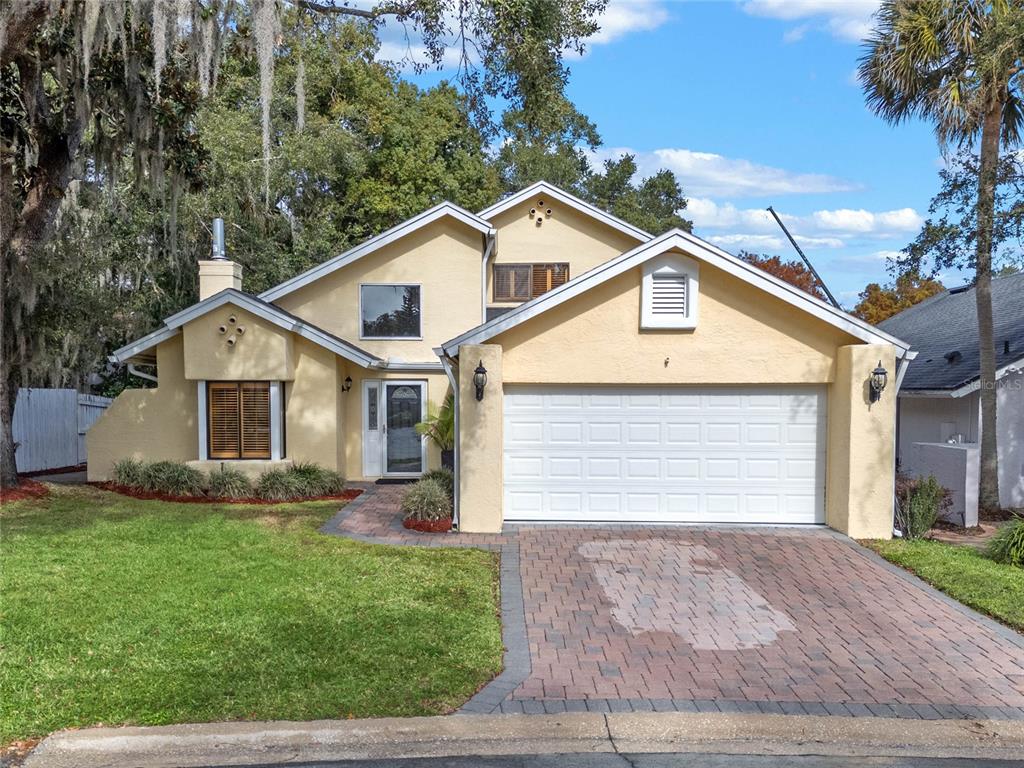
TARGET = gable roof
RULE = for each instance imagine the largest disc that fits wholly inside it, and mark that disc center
(696, 247)
(289, 322)
(376, 243)
(550, 190)
(947, 324)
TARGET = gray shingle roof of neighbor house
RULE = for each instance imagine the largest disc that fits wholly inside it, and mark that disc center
(944, 331)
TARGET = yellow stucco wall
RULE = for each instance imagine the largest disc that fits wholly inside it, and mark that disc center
(861, 434)
(743, 336)
(263, 353)
(151, 424)
(481, 486)
(568, 236)
(444, 258)
(314, 418)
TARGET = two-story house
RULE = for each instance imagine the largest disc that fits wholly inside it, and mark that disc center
(600, 374)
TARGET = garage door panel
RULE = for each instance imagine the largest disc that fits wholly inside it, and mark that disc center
(596, 454)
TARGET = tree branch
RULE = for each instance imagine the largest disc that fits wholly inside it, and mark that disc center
(344, 10)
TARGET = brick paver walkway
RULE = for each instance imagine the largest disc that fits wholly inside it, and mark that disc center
(736, 619)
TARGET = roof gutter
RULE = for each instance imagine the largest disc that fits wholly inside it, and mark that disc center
(488, 253)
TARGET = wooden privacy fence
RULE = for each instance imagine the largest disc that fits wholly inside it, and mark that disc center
(50, 427)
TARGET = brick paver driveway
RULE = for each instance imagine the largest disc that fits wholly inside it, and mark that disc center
(770, 620)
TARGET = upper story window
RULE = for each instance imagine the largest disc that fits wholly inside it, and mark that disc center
(389, 311)
(522, 282)
(669, 292)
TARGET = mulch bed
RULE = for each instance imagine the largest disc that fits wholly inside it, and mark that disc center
(429, 526)
(26, 489)
(347, 495)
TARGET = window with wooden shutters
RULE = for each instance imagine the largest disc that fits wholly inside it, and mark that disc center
(670, 292)
(521, 282)
(239, 419)
(512, 282)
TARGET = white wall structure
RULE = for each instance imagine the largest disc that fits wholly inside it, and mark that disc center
(955, 467)
(50, 426)
(939, 418)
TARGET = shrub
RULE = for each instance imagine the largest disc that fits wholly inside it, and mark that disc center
(280, 485)
(1007, 546)
(129, 473)
(445, 478)
(426, 500)
(229, 483)
(439, 425)
(919, 503)
(317, 481)
(173, 478)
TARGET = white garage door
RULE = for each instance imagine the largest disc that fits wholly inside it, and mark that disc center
(679, 454)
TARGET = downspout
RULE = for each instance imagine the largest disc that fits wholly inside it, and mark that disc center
(901, 370)
(448, 363)
(488, 252)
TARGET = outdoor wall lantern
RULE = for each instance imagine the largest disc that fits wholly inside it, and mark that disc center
(879, 378)
(347, 385)
(480, 380)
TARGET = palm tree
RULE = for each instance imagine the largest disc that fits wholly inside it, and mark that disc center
(957, 64)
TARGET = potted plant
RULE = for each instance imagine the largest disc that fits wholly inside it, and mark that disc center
(439, 426)
(427, 507)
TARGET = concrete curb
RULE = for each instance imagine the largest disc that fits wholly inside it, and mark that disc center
(263, 743)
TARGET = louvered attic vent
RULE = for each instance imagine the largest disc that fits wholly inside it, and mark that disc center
(670, 292)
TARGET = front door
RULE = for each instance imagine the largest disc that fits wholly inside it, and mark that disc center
(404, 408)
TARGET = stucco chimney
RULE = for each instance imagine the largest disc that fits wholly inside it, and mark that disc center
(217, 273)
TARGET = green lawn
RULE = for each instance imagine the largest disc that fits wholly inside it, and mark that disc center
(963, 574)
(116, 611)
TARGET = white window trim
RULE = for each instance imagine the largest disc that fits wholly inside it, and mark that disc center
(276, 414)
(204, 451)
(390, 338)
(678, 264)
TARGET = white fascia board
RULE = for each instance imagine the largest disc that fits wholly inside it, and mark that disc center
(173, 324)
(375, 243)
(975, 384)
(693, 246)
(141, 345)
(549, 190)
(426, 367)
(239, 299)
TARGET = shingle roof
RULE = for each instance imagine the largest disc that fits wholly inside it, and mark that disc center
(947, 323)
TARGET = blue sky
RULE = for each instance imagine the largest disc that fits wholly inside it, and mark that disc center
(755, 103)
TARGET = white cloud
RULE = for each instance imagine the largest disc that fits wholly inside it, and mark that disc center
(622, 17)
(772, 243)
(732, 227)
(796, 34)
(706, 174)
(405, 47)
(846, 20)
(861, 221)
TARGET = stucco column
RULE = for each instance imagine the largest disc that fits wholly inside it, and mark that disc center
(861, 460)
(480, 441)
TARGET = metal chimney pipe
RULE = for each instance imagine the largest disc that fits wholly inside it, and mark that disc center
(219, 253)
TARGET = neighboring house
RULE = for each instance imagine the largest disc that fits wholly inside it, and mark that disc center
(628, 377)
(939, 400)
